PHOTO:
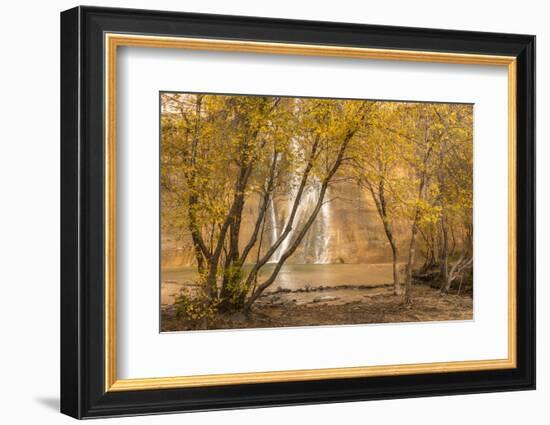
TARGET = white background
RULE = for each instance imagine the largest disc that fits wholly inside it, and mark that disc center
(29, 224)
(255, 350)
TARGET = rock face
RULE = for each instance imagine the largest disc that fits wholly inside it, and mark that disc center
(346, 230)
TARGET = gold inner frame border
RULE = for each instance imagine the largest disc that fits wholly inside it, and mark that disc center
(111, 43)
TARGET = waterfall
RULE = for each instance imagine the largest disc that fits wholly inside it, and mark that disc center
(314, 248)
(324, 257)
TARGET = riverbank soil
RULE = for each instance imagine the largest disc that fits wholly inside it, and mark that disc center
(335, 306)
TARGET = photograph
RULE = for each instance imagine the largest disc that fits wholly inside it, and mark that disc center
(280, 211)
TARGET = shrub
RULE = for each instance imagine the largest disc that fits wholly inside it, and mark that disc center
(195, 308)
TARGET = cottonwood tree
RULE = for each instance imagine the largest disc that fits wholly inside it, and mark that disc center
(222, 153)
(379, 168)
(438, 149)
(455, 195)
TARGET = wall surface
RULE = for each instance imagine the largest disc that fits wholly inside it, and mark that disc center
(29, 217)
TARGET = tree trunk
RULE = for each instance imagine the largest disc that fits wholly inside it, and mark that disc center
(381, 206)
(253, 274)
(407, 299)
(444, 268)
(396, 288)
(254, 296)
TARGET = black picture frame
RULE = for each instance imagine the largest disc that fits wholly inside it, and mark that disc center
(83, 392)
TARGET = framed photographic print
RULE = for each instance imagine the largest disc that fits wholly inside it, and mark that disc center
(261, 212)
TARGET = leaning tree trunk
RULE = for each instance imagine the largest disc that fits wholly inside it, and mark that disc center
(301, 234)
(457, 270)
(288, 253)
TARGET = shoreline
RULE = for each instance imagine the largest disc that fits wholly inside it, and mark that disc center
(340, 305)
